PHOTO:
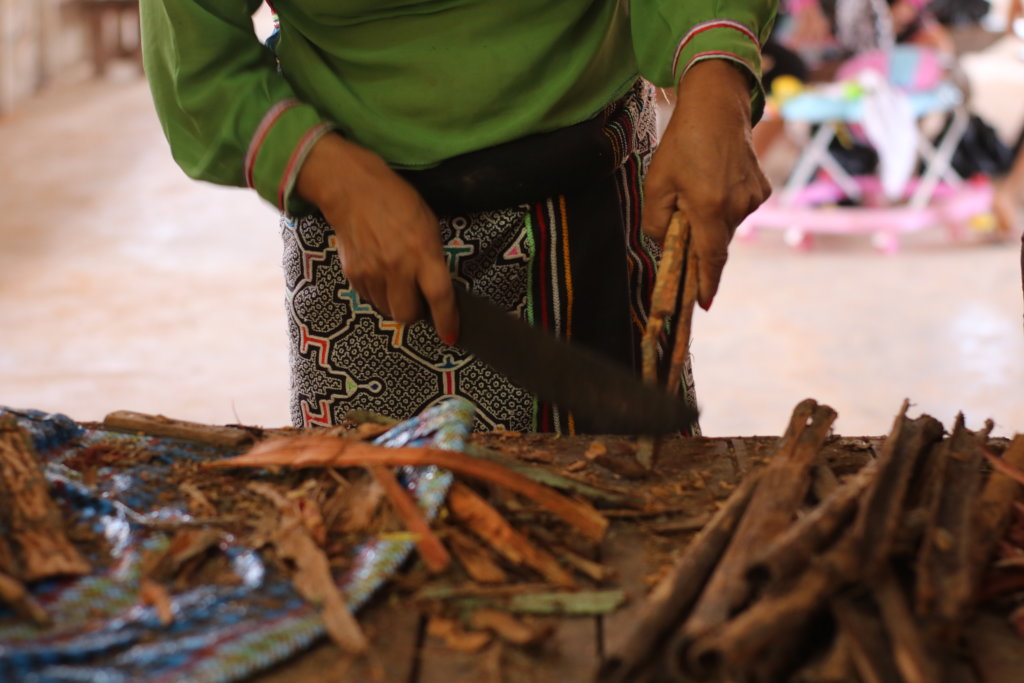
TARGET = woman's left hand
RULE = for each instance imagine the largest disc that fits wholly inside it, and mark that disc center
(705, 167)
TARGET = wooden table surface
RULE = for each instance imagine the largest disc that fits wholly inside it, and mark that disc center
(692, 477)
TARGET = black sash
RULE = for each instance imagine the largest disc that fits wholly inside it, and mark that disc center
(526, 170)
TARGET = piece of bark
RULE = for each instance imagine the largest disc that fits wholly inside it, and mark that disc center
(781, 491)
(474, 558)
(834, 665)
(872, 658)
(879, 515)
(943, 583)
(791, 551)
(186, 546)
(158, 425)
(744, 639)
(312, 580)
(430, 548)
(326, 451)
(476, 515)
(993, 512)
(912, 657)
(565, 603)
(154, 595)
(14, 593)
(34, 523)
(823, 481)
(507, 627)
(587, 567)
(597, 494)
(670, 600)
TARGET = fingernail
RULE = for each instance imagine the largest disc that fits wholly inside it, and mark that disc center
(449, 339)
(708, 307)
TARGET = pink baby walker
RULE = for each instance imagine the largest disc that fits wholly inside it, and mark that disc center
(880, 97)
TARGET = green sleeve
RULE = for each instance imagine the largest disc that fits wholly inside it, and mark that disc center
(670, 36)
(229, 116)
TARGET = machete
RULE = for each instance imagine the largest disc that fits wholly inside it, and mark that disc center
(595, 389)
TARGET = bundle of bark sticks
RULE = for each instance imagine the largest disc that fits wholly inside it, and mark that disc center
(800, 576)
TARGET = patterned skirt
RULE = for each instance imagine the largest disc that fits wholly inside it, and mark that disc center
(575, 263)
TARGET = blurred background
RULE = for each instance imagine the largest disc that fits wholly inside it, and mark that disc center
(125, 285)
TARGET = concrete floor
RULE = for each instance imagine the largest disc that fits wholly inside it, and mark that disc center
(124, 285)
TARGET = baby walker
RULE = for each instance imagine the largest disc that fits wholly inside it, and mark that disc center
(880, 97)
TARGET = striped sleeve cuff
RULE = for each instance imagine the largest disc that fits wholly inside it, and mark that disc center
(277, 150)
(723, 39)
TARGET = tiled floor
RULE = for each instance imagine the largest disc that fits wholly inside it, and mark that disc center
(123, 285)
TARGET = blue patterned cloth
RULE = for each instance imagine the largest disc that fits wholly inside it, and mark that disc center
(219, 633)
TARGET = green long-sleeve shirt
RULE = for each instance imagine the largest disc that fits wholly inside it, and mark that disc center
(417, 81)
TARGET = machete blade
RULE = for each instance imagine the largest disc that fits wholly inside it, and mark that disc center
(597, 390)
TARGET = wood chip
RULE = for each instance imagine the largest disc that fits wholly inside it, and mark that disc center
(595, 450)
(507, 627)
(13, 593)
(312, 580)
(475, 514)
(325, 451)
(455, 638)
(430, 548)
(154, 595)
(475, 558)
(576, 466)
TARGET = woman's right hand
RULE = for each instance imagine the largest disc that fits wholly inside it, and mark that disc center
(388, 239)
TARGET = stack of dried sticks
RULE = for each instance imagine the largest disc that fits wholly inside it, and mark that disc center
(872, 580)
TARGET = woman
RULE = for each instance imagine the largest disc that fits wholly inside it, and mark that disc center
(504, 145)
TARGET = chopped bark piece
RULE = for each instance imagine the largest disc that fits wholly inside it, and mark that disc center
(13, 593)
(455, 638)
(579, 603)
(154, 595)
(588, 568)
(475, 559)
(433, 552)
(474, 513)
(353, 509)
(507, 627)
(187, 546)
(312, 580)
(34, 523)
(310, 451)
